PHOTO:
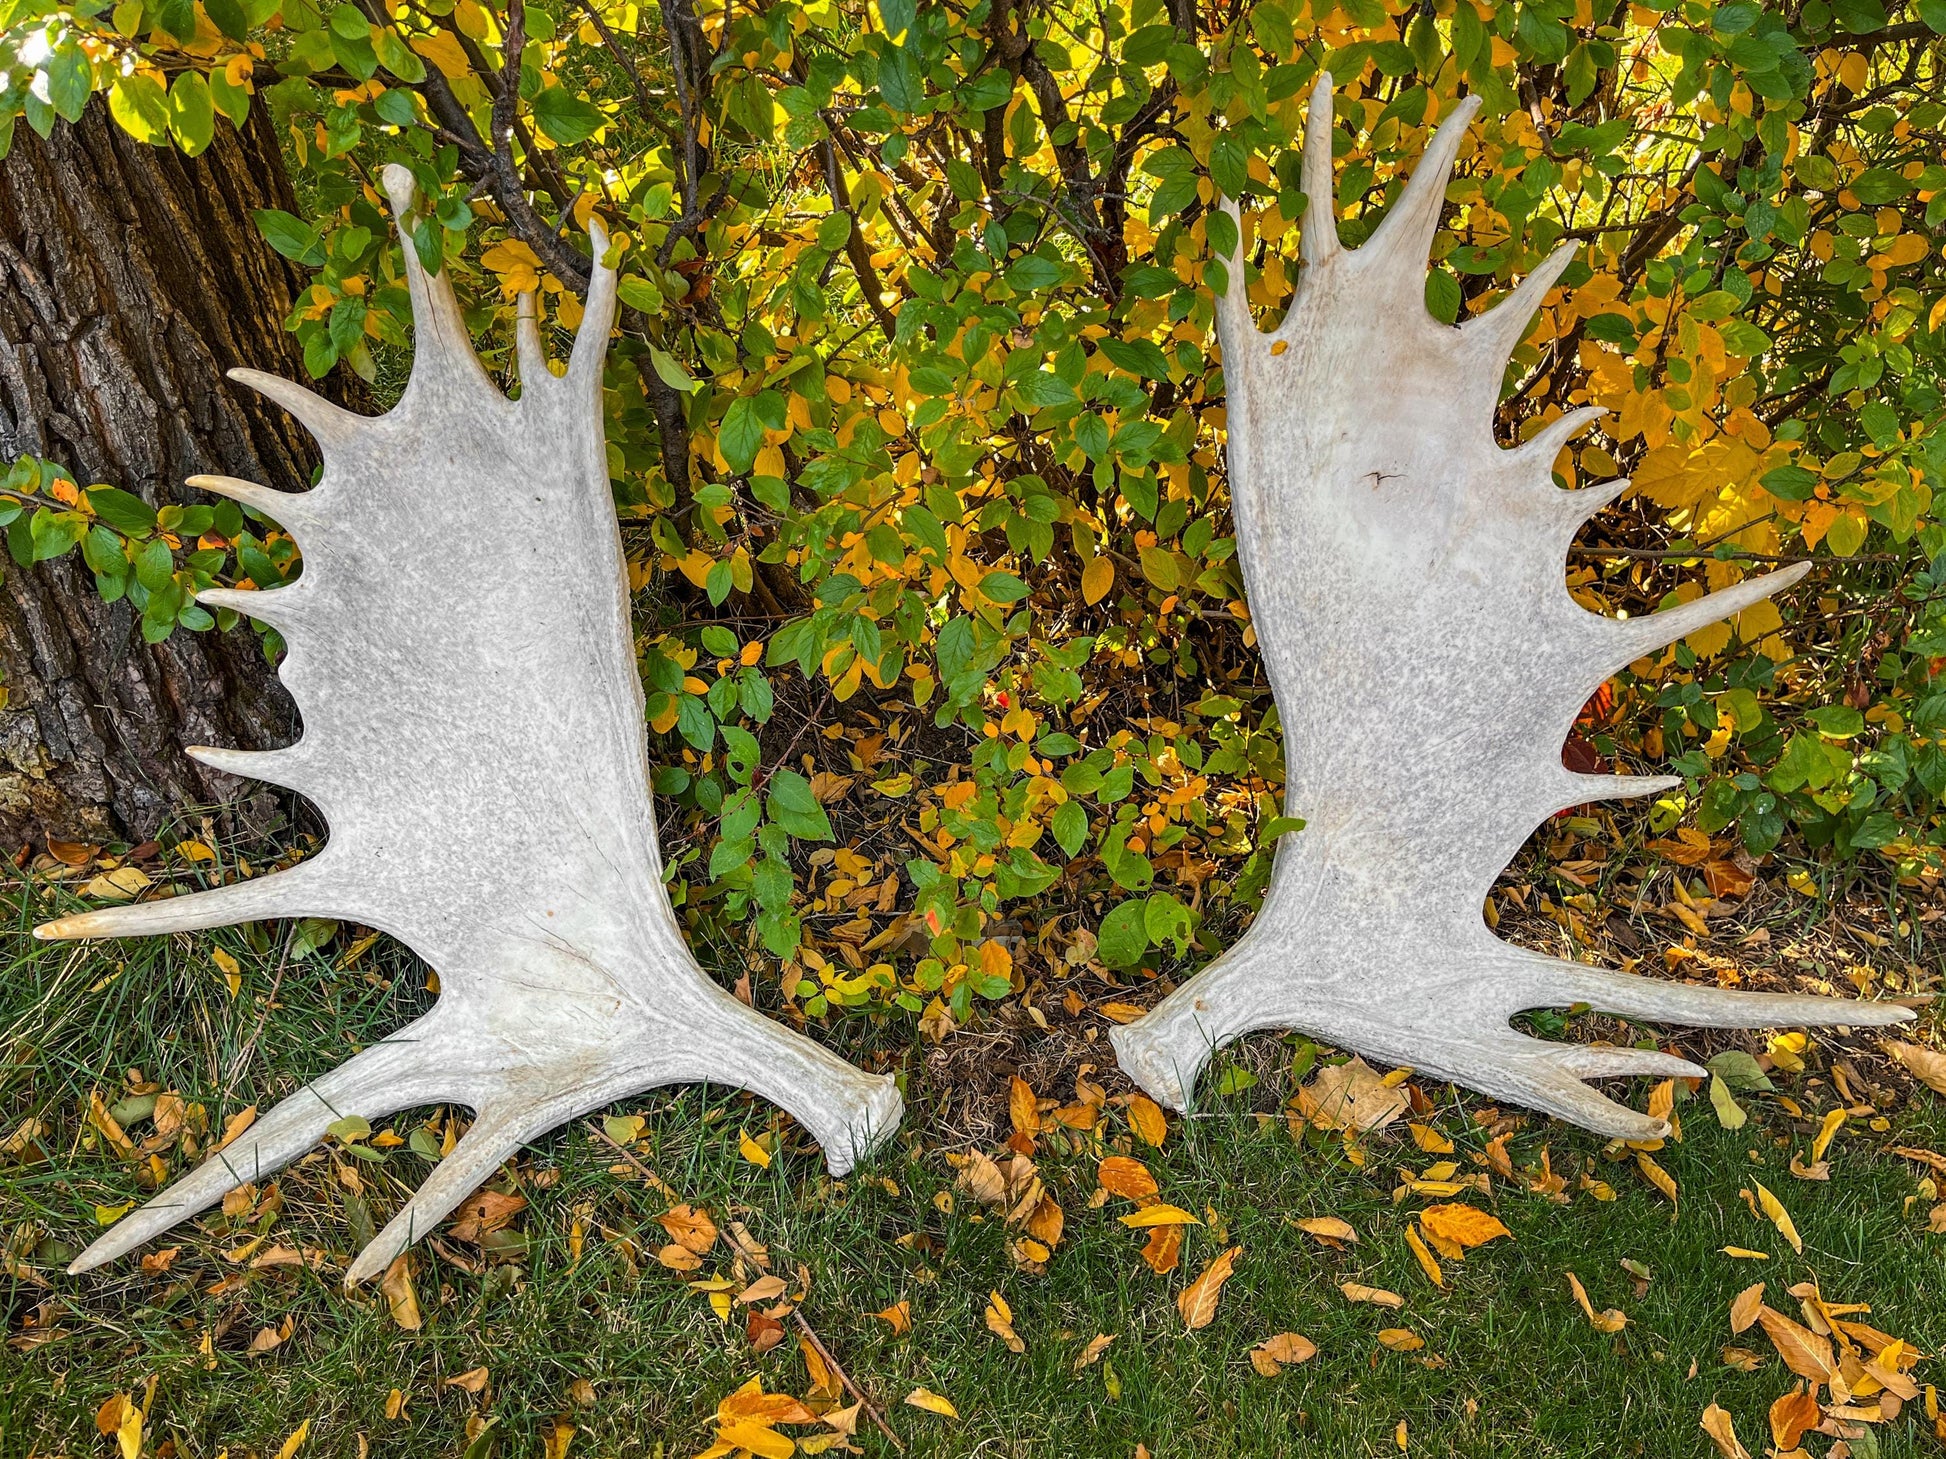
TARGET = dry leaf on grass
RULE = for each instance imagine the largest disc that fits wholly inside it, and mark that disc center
(1271, 1356)
(1745, 1306)
(899, 1315)
(1377, 1296)
(1803, 1351)
(1424, 1257)
(1791, 1416)
(1400, 1339)
(1197, 1303)
(1717, 1424)
(1925, 1065)
(1331, 1230)
(396, 1287)
(1612, 1320)
(1091, 1354)
(689, 1228)
(1461, 1225)
(1160, 1215)
(1779, 1217)
(1000, 1322)
(1163, 1249)
(1351, 1096)
(932, 1403)
(1128, 1178)
(1146, 1118)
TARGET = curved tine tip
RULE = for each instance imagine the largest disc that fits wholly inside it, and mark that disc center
(400, 187)
(1317, 238)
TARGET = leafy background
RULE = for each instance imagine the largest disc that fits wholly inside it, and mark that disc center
(916, 416)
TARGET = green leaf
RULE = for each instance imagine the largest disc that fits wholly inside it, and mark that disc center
(741, 435)
(1124, 935)
(140, 107)
(70, 80)
(192, 112)
(1808, 761)
(1837, 721)
(229, 18)
(1003, 587)
(122, 510)
(565, 118)
(1729, 1114)
(1740, 1071)
(1069, 823)
(670, 372)
(292, 237)
(1167, 918)
(397, 57)
(791, 804)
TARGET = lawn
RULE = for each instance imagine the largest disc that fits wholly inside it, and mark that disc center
(563, 1332)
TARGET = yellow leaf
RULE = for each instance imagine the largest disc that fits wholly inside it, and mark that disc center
(1610, 1320)
(1657, 1176)
(1427, 1262)
(1128, 1178)
(1271, 1356)
(899, 1315)
(1745, 1306)
(1779, 1217)
(751, 1150)
(1462, 1225)
(1722, 1431)
(760, 1439)
(1091, 1354)
(1096, 579)
(931, 1402)
(1803, 1351)
(1328, 1228)
(1430, 1140)
(1160, 1215)
(1145, 1117)
(1832, 1123)
(1197, 1303)
(1746, 1253)
(396, 1287)
(295, 1441)
(1401, 1339)
(1377, 1296)
(1000, 1322)
(1923, 1064)
(1021, 1108)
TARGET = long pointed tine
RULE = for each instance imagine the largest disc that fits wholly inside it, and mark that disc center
(1494, 334)
(329, 424)
(443, 347)
(527, 344)
(286, 508)
(1318, 237)
(1404, 239)
(494, 1138)
(1632, 638)
(1235, 326)
(598, 317)
(310, 888)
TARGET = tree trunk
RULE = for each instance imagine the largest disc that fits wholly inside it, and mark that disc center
(131, 278)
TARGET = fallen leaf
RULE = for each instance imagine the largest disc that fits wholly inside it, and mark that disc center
(1462, 1225)
(1122, 1012)
(1611, 1320)
(1429, 1139)
(1779, 1217)
(678, 1258)
(1923, 1064)
(1717, 1424)
(1833, 1121)
(1163, 1249)
(474, 1380)
(1427, 1263)
(755, 1153)
(1197, 1302)
(1091, 1354)
(1331, 1230)
(485, 1211)
(1160, 1215)
(1745, 1306)
(396, 1287)
(1351, 1096)
(1791, 1415)
(1400, 1339)
(1657, 1176)
(980, 1178)
(690, 1228)
(1021, 1108)
(1377, 1296)
(295, 1441)
(1803, 1351)
(1000, 1322)
(1729, 1114)
(1746, 1253)
(1128, 1178)
(1271, 1356)
(899, 1315)
(931, 1402)
(1146, 1118)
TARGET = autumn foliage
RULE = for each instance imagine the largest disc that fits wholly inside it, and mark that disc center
(916, 417)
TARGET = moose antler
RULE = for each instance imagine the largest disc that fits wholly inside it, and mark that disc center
(1405, 581)
(473, 731)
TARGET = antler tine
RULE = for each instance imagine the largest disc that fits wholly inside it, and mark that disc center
(1540, 450)
(496, 1134)
(288, 509)
(598, 316)
(1583, 502)
(1236, 327)
(1630, 638)
(444, 347)
(1318, 235)
(531, 353)
(311, 888)
(1629, 995)
(1494, 334)
(386, 1077)
(281, 608)
(1403, 244)
(330, 425)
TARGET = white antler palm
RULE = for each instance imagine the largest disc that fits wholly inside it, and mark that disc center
(1405, 580)
(473, 732)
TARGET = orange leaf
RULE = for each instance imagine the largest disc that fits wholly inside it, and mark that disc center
(1717, 1424)
(1198, 1300)
(1145, 1117)
(1273, 1354)
(1745, 1306)
(1791, 1415)
(1163, 1249)
(1021, 1108)
(1128, 1178)
(1462, 1225)
(1803, 1351)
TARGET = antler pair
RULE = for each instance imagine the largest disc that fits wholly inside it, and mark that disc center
(461, 650)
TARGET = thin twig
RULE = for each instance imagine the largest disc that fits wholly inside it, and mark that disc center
(629, 1155)
(871, 1409)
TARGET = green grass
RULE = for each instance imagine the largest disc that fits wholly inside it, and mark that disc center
(1519, 1370)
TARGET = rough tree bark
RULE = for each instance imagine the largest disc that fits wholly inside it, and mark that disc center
(131, 278)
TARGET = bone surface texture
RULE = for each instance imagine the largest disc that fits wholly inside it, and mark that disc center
(1405, 578)
(473, 733)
